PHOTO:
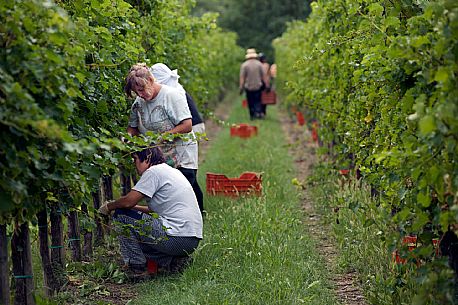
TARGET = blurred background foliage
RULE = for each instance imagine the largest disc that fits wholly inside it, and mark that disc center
(256, 22)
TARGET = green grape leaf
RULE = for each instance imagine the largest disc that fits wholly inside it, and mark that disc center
(427, 124)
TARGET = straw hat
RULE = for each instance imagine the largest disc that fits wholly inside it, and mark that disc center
(251, 53)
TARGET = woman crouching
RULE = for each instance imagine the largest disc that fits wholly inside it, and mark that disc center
(167, 239)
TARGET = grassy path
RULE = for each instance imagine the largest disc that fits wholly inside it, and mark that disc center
(320, 218)
(255, 250)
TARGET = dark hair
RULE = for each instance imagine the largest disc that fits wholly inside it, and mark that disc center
(153, 155)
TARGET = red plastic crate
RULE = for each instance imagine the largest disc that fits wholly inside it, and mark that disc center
(436, 246)
(247, 183)
(268, 98)
(243, 131)
(344, 172)
(300, 118)
(315, 132)
(411, 242)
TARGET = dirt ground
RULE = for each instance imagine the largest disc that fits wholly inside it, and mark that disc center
(302, 149)
(106, 293)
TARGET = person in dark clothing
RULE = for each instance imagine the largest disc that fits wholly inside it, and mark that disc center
(251, 81)
(198, 125)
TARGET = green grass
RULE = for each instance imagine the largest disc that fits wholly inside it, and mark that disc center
(255, 249)
(360, 234)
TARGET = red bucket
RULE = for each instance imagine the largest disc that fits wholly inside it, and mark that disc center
(151, 266)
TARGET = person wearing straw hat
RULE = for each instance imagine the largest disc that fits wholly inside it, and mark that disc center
(251, 81)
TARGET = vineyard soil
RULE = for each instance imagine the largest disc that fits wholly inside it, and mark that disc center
(303, 150)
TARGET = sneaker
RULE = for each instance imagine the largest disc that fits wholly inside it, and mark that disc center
(136, 273)
(179, 264)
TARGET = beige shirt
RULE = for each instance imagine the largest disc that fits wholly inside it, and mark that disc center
(251, 75)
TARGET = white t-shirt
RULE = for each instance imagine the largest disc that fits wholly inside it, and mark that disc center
(170, 195)
(161, 114)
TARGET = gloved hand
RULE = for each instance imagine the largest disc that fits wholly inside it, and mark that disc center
(241, 91)
(104, 208)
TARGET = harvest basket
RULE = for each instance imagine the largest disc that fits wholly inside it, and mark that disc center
(268, 98)
(247, 183)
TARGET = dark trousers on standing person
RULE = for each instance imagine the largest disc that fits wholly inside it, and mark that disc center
(254, 103)
(191, 175)
(199, 195)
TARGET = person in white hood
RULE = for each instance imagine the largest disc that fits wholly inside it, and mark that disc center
(162, 109)
(165, 76)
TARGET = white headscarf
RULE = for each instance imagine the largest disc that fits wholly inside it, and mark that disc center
(165, 76)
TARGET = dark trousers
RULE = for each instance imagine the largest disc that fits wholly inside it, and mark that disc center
(199, 195)
(191, 175)
(254, 103)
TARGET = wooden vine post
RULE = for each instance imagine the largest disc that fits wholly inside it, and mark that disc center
(87, 243)
(4, 270)
(125, 181)
(74, 242)
(21, 257)
(107, 186)
(134, 179)
(107, 183)
(99, 234)
(57, 245)
(50, 285)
